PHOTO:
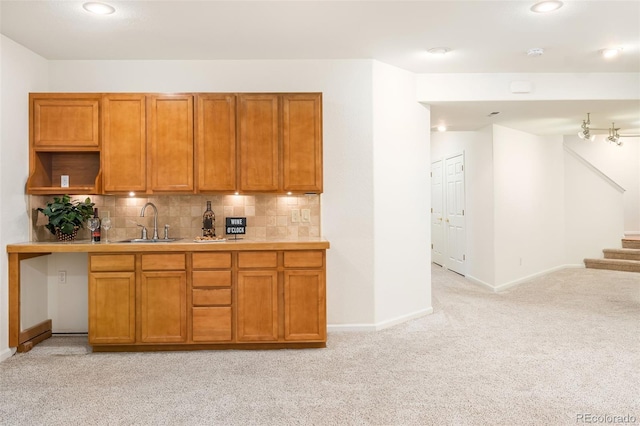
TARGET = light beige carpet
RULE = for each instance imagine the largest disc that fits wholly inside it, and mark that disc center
(542, 353)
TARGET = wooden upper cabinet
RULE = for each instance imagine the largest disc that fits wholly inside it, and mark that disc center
(124, 154)
(258, 142)
(64, 140)
(170, 143)
(216, 142)
(175, 143)
(302, 142)
(65, 120)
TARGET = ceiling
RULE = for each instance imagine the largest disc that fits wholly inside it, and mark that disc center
(484, 37)
(545, 118)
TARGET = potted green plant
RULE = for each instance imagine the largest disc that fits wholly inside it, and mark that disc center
(66, 216)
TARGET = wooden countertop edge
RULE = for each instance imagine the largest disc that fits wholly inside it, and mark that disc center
(177, 246)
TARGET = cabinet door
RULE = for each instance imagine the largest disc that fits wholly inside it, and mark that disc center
(124, 143)
(258, 138)
(170, 137)
(216, 142)
(302, 142)
(163, 307)
(112, 316)
(257, 306)
(212, 324)
(66, 121)
(304, 305)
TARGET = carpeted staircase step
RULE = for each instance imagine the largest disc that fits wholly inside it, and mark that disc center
(628, 254)
(631, 243)
(613, 264)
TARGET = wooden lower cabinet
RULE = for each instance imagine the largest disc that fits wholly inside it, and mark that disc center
(257, 306)
(112, 308)
(207, 300)
(212, 324)
(211, 297)
(163, 307)
(112, 299)
(304, 305)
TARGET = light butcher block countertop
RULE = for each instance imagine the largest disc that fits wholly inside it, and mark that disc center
(183, 245)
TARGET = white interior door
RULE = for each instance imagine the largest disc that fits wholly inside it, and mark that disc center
(437, 215)
(454, 213)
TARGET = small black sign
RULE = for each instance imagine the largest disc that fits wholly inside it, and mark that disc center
(236, 225)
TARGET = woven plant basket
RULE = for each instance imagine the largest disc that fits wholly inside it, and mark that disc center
(67, 237)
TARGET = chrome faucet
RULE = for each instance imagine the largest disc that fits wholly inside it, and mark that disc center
(155, 219)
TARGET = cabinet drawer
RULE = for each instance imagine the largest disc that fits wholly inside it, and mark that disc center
(211, 260)
(309, 259)
(163, 262)
(212, 278)
(211, 324)
(112, 262)
(257, 259)
(210, 297)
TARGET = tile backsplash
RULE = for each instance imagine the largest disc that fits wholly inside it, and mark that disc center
(267, 215)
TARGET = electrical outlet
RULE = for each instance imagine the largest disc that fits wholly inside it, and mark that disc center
(306, 215)
(295, 215)
(64, 181)
(62, 277)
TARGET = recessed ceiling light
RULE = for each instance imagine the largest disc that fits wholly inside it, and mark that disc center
(535, 51)
(611, 52)
(546, 6)
(439, 51)
(99, 8)
(442, 128)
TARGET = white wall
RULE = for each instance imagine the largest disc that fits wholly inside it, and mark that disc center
(621, 164)
(594, 211)
(401, 198)
(67, 303)
(478, 149)
(22, 72)
(33, 291)
(529, 204)
(347, 203)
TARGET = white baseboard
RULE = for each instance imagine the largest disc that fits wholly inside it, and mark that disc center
(381, 325)
(510, 284)
(480, 282)
(403, 318)
(350, 327)
(6, 354)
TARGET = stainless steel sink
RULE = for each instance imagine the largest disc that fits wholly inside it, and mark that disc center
(140, 240)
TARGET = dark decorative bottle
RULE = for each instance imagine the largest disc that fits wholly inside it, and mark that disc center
(95, 234)
(208, 222)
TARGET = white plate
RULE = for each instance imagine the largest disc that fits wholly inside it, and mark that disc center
(210, 241)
